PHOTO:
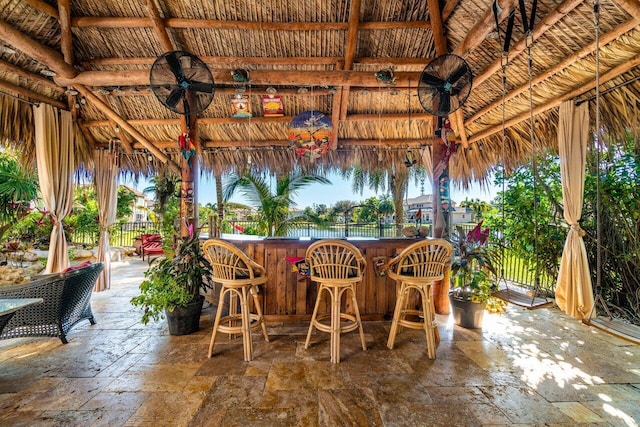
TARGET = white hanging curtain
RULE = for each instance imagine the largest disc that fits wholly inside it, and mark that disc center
(55, 141)
(574, 294)
(106, 171)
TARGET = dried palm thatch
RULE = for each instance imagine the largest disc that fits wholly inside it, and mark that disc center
(319, 55)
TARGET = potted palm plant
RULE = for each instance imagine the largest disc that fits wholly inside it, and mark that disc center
(172, 287)
(473, 276)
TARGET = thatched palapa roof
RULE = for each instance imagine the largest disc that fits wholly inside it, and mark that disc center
(319, 55)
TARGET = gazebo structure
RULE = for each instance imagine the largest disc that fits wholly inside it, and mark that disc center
(360, 64)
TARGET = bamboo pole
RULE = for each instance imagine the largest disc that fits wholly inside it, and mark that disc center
(31, 95)
(126, 126)
(611, 74)
(258, 77)
(48, 56)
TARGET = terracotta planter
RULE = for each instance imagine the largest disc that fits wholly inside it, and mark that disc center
(466, 313)
(185, 320)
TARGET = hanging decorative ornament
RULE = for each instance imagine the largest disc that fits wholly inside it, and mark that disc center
(187, 147)
(311, 133)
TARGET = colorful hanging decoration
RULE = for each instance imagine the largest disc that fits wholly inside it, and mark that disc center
(299, 265)
(187, 147)
(311, 133)
(241, 107)
(272, 105)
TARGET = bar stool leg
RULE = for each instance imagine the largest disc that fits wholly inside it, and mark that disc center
(357, 311)
(314, 316)
(400, 303)
(246, 326)
(428, 322)
(256, 302)
(335, 324)
(216, 323)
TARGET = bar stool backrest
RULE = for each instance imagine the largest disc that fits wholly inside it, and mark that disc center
(333, 259)
(229, 263)
(425, 259)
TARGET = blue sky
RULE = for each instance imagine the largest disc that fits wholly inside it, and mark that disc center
(338, 190)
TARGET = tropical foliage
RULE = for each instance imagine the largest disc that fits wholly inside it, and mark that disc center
(174, 280)
(272, 204)
(18, 188)
(473, 271)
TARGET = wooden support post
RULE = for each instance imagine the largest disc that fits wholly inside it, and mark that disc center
(440, 168)
(189, 166)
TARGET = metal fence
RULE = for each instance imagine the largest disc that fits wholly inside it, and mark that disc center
(512, 268)
(122, 234)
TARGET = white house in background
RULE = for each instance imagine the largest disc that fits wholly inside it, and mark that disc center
(141, 206)
(424, 202)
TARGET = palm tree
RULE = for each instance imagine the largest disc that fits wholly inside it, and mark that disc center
(18, 188)
(163, 186)
(397, 181)
(477, 206)
(273, 207)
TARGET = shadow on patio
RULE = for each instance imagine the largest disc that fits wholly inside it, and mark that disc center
(523, 367)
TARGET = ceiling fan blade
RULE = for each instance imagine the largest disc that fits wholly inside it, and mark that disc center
(432, 80)
(444, 106)
(174, 97)
(174, 65)
(201, 87)
(458, 74)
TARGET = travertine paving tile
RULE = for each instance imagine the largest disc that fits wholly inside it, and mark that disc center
(521, 369)
(578, 412)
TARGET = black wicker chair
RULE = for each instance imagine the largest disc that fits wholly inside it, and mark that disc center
(66, 301)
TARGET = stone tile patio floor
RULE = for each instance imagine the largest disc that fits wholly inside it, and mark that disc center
(527, 368)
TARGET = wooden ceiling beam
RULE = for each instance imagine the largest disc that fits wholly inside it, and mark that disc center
(44, 54)
(282, 60)
(473, 39)
(540, 29)
(369, 143)
(255, 91)
(30, 95)
(43, 7)
(568, 61)
(158, 26)
(123, 136)
(352, 34)
(483, 27)
(611, 74)
(342, 101)
(66, 39)
(632, 7)
(28, 75)
(188, 23)
(110, 113)
(449, 7)
(256, 120)
(86, 133)
(258, 77)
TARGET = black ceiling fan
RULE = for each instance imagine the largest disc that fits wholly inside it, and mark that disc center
(445, 85)
(182, 82)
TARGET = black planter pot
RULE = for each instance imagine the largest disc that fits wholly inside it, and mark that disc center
(467, 314)
(185, 320)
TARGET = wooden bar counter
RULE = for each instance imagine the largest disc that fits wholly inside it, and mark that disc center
(289, 296)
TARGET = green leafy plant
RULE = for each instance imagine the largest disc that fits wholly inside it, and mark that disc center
(174, 281)
(473, 270)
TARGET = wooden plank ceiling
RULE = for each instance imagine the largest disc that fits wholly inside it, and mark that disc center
(322, 55)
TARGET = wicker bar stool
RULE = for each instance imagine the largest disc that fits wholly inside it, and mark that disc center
(337, 266)
(239, 277)
(417, 267)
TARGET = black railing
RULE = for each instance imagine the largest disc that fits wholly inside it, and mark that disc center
(122, 234)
